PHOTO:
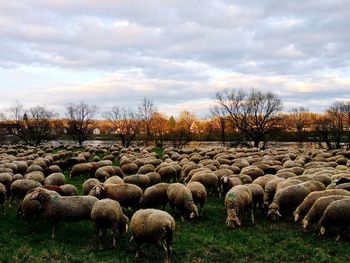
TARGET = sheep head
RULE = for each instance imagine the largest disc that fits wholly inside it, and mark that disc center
(97, 190)
(232, 219)
(274, 213)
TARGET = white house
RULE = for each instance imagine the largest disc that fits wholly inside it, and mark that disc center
(96, 131)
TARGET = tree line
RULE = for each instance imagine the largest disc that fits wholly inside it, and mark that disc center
(239, 118)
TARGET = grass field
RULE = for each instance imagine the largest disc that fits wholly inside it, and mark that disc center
(206, 239)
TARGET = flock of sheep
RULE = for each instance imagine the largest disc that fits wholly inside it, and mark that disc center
(310, 185)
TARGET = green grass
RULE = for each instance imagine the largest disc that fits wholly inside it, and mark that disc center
(206, 239)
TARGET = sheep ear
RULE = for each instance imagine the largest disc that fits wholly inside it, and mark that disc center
(279, 214)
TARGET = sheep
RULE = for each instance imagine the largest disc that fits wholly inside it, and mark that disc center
(89, 184)
(305, 206)
(52, 169)
(286, 200)
(337, 215)
(317, 209)
(55, 179)
(262, 180)
(287, 183)
(140, 180)
(3, 197)
(115, 179)
(29, 208)
(105, 172)
(237, 202)
(209, 180)
(128, 195)
(153, 226)
(68, 190)
(314, 185)
(67, 208)
(257, 194)
(129, 168)
(36, 176)
(154, 178)
(107, 213)
(253, 171)
(80, 169)
(199, 194)
(20, 188)
(180, 197)
(345, 186)
(270, 189)
(6, 179)
(168, 173)
(227, 182)
(155, 196)
(145, 169)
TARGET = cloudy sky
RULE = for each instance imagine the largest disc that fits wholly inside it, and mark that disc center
(177, 53)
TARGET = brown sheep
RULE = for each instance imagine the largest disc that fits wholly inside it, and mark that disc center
(180, 197)
(238, 201)
(199, 194)
(155, 196)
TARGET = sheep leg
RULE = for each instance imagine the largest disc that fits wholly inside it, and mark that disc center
(137, 255)
(100, 238)
(252, 216)
(53, 231)
(3, 209)
(114, 238)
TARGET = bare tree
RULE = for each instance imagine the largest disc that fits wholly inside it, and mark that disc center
(80, 117)
(125, 122)
(146, 110)
(33, 125)
(254, 114)
(219, 113)
(329, 128)
(345, 108)
(299, 121)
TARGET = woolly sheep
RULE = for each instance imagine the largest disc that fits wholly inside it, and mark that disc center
(128, 195)
(67, 208)
(89, 184)
(153, 226)
(310, 199)
(314, 185)
(270, 189)
(209, 180)
(69, 190)
(180, 198)
(154, 178)
(155, 196)
(238, 201)
(80, 169)
(55, 179)
(257, 194)
(140, 180)
(227, 182)
(168, 173)
(317, 209)
(199, 194)
(107, 213)
(19, 188)
(337, 215)
(286, 200)
(129, 168)
(115, 179)
(147, 168)
(36, 176)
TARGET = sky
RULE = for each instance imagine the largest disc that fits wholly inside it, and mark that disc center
(176, 53)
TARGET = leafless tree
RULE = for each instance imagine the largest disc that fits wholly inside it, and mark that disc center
(145, 111)
(299, 120)
(254, 114)
(329, 128)
(220, 114)
(126, 123)
(345, 108)
(33, 125)
(80, 117)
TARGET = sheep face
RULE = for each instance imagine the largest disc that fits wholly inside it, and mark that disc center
(97, 191)
(40, 195)
(232, 219)
(274, 214)
(305, 225)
